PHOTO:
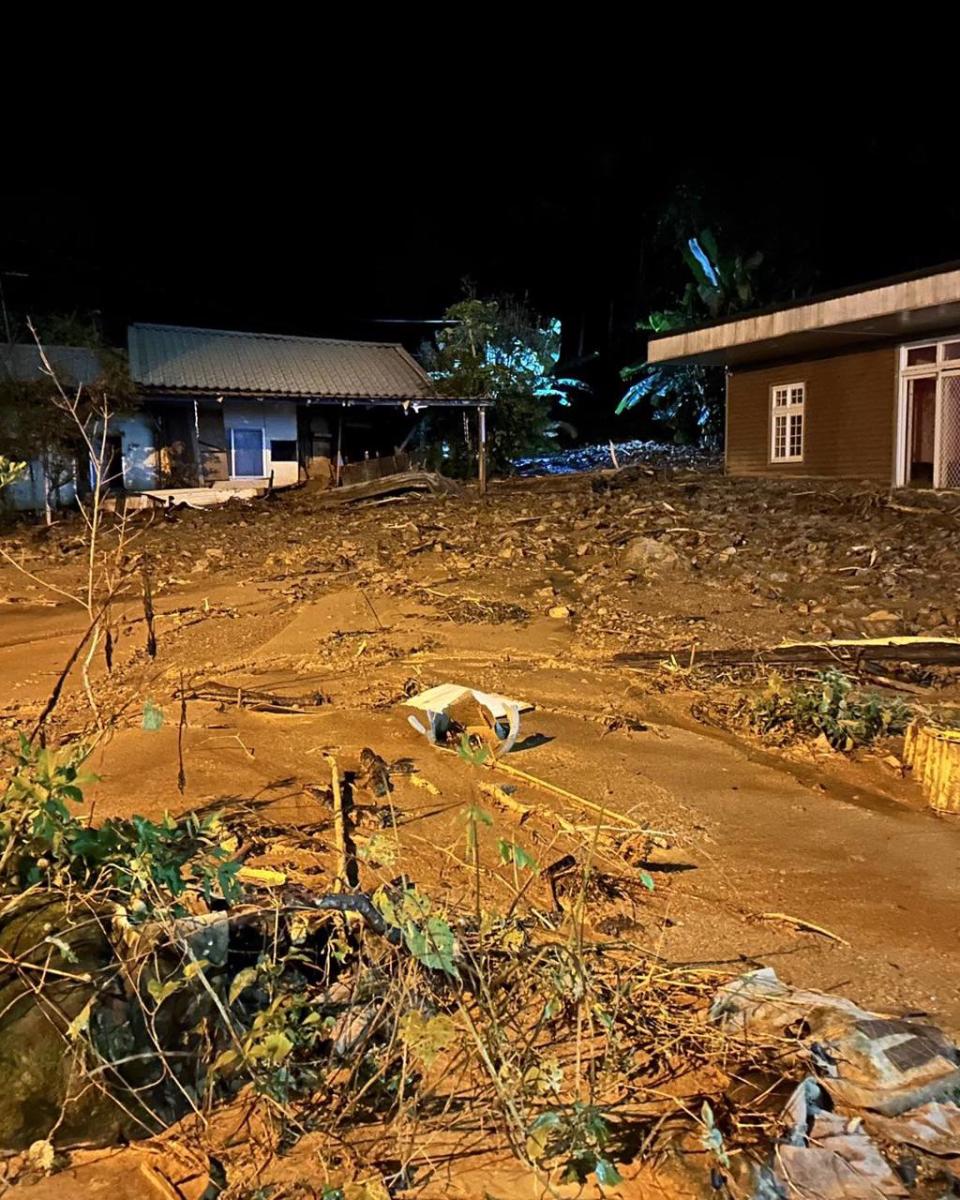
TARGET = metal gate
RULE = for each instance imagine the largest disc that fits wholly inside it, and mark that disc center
(948, 432)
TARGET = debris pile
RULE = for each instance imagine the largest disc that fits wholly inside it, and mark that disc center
(876, 1084)
(618, 454)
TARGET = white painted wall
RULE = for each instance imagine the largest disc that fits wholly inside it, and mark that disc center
(29, 493)
(277, 419)
(139, 452)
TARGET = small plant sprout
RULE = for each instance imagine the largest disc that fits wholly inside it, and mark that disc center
(475, 755)
(474, 815)
(578, 1135)
(711, 1137)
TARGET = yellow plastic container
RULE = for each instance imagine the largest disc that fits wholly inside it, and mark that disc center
(934, 756)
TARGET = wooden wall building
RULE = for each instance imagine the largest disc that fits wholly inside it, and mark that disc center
(860, 384)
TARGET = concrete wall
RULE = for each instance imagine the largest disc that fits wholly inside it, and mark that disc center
(849, 417)
(277, 419)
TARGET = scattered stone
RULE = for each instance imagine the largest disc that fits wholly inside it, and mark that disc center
(648, 555)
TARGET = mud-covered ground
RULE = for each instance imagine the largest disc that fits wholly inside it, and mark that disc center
(531, 592)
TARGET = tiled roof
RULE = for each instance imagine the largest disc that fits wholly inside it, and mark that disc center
(181, 358)
(72, 364)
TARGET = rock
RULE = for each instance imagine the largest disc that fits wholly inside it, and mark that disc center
(39, 1068)
(559, 612)
(88, 999)
(650, 556)
(881, 615)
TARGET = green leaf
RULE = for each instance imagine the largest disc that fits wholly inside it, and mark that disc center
(274, 1048)
(433, 945)
(607, 1173)
(224, 1061)
(646, 879)
(380, 850)
(386, 908)
(709, 243)
(152, 717)
(476, 756)
(547, 1120)
(427, 1036)
(510, 852)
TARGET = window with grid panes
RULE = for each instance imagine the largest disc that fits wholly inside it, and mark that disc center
(786, 426)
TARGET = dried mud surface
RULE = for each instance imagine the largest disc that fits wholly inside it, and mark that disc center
(362, 605)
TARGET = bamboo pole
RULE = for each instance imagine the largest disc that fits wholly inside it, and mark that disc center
(589, 805)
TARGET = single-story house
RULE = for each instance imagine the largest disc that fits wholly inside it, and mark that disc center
(220, 409)
(863, 383)
(245, 408)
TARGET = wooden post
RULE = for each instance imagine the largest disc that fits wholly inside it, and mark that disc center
(339, 463)
(346, 866)
(482, 449)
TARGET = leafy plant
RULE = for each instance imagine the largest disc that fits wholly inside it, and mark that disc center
(499, 349)
(828, 708)
(10, 471)
(579, 1134)
(476, 756)
(426, 933)
(142, 862)
(690, 398)
(511, 853)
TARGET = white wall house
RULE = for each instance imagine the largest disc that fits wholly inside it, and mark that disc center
(244, 407)
(224, 410)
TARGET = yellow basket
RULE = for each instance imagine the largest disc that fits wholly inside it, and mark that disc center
(934, 756)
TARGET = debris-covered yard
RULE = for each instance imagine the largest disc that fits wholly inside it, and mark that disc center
(542, 984)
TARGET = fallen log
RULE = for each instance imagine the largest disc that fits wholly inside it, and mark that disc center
(253, 698)
(406, 481)
(852, 653)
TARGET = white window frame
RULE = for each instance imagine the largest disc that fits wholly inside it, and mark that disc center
(261, 429)
(791, 409)
(936, 369)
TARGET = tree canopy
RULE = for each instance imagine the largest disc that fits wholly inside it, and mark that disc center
(498, 348)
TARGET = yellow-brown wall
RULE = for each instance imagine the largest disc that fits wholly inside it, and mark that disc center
(849, 418)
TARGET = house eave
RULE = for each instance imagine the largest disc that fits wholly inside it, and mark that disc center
(905, 310)
(157, 392)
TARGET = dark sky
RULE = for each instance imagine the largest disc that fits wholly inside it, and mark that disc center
(391, 228)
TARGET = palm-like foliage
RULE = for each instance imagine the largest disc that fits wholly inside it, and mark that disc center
(690, 398)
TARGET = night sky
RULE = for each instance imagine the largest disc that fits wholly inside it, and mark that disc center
(576, 225)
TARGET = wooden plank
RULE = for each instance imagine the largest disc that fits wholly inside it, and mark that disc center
(944, 652)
